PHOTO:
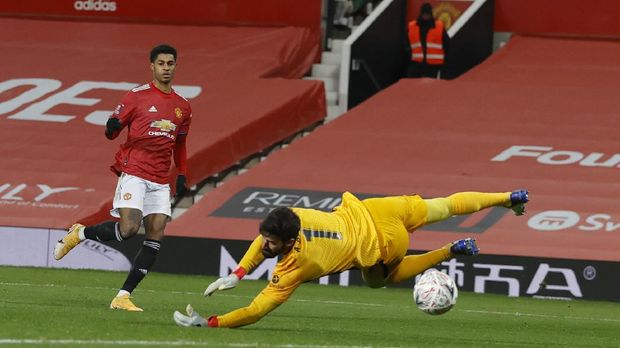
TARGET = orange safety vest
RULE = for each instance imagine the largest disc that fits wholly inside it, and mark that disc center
(435, 54)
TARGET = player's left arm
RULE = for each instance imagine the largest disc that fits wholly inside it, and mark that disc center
(180, 155)
(180, 160)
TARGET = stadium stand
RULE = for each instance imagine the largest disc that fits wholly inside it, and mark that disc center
(434, 137)
(559, 62)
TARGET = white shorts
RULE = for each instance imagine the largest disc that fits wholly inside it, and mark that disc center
(137, 193)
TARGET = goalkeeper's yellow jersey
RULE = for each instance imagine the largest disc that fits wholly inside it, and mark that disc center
(327, 243)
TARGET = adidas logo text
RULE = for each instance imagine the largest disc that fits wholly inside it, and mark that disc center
(95, 5)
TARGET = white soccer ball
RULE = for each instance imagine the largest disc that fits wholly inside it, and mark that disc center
(435, 292)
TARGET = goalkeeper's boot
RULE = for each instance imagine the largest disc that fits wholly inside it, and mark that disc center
(124, 303)
(517, 201)
(68, 242)
(465, 246)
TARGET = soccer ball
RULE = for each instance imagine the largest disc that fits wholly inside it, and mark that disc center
(435, 292)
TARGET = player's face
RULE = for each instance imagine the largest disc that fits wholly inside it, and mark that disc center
(274, 246)
(163, 68)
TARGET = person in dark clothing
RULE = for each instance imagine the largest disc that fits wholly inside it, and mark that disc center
(428, 42)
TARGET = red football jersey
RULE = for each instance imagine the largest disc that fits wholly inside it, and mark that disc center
(155, 119)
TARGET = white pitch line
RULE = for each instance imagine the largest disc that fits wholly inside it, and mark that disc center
(519, 314)
(196, 293)
(18, 341)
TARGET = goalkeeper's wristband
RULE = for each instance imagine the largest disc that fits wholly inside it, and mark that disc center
(240, 272)
(212, 321)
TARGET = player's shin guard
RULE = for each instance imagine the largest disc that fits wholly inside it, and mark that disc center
(413, 265)
(142, 264)
(104, 232)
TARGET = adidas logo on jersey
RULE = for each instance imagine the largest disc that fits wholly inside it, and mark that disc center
(153, 109)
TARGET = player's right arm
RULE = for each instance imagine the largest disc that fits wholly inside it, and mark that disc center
(122, 115)
(252, 258)
(260, 307)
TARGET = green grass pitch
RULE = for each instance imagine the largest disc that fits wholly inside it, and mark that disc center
(69, 308)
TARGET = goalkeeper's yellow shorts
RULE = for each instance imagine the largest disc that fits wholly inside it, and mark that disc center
(394, 218)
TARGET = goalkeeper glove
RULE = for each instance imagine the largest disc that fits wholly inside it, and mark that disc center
(191, 319)
(225, 283)
(180, 186)
(112, 126)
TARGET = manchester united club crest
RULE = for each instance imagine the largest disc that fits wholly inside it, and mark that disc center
(178, 112)
(127, 196)
(447, 13)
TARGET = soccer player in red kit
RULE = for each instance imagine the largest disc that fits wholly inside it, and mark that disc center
(157, 121)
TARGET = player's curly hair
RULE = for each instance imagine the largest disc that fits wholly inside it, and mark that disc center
(281, 222)
(162, 49)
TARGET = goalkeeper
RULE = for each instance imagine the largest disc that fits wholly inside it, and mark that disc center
(372, 235)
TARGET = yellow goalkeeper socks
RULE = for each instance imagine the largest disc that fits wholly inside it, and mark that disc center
(412, 265)
(461, 203)
(471, 202)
